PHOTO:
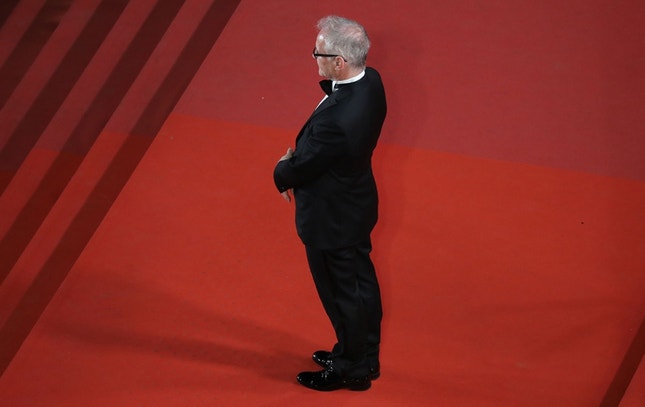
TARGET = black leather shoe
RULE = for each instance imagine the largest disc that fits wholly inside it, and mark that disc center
(323, 359)
(328, 380)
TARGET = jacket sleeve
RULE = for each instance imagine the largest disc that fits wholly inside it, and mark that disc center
(314, 155)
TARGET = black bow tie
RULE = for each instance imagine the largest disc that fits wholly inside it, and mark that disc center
(326, 86)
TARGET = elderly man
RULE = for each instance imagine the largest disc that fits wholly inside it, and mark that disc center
(330, 175)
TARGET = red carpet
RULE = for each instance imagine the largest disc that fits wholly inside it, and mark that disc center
(148, 260)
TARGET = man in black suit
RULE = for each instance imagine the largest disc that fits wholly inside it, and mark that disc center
(330, 175)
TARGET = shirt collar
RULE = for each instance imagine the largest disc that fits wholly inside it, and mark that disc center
(350, 80)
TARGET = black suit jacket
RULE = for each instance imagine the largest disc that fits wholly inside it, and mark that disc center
(331, 171)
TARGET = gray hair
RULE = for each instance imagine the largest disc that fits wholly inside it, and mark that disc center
(345, 37)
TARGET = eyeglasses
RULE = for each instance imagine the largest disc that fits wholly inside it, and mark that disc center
(316, 55)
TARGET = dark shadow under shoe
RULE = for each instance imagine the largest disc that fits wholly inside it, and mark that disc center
(328, 380)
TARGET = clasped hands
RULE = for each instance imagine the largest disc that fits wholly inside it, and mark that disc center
(285, 194)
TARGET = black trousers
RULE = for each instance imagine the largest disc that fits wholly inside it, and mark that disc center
(349, 291)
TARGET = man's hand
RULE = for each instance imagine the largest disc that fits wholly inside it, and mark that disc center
(288, 155)
(285, 194)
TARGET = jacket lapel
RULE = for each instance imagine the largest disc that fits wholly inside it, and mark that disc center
(330, 100)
